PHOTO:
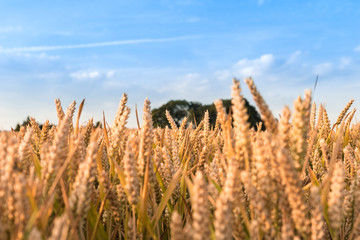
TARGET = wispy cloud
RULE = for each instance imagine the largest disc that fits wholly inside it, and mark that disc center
(10, 29)
(91, 75)
(193, 19)
(189, 85)
(357, 49)
(344, 62)
(223, 75)
(92, 45)
(40, 56)
(110, 74)
(260, 2)
(323, 68)
(294, 57)
(253, 67)
(85, 76)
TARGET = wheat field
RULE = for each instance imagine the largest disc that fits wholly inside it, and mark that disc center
(299, 179)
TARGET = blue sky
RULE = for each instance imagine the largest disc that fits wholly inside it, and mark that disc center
(179, 49)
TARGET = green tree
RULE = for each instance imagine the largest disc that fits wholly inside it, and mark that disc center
(194, 111)
(178, 110)
(25, 123)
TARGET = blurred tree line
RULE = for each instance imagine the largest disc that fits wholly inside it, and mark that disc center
(194, 111)
(179, 109)
(26, 122)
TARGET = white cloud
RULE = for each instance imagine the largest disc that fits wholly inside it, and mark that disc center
(188, 82)
(281, 79)
(190, 86)
(49, 57)
(344, 62)
(194, 78)
(261, 2)
(357, 49)
(294, 57)
(10, 29)
(41, 56)
(187, 2)
(223, 75)
(110, 74)
(91, 45)
(85, 76)
(113, 84)
(63, 33)
(192, 19)
(323, 68)
(110, 77)
(245, 67)
(94, 74)
(192, 82)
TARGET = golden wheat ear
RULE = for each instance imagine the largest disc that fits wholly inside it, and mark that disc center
(269, 120)
(343, 112)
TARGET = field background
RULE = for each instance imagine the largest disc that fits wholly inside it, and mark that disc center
(298, 179)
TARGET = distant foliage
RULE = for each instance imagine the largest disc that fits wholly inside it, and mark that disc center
(26, 123)
(28, 120)
(194, 111)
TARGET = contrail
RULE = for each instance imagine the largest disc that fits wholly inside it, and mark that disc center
(92, 45)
